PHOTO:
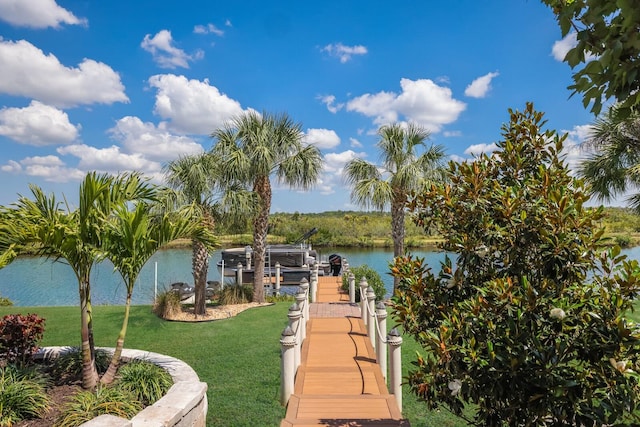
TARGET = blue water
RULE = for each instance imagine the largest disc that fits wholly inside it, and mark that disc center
(38, 282)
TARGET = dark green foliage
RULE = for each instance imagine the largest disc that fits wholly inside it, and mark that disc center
(236, 294)
(68, 365)
(19, 337)
(86, 405)
(21, 397)
(527, 325)
(607, 49)
(373, 279)
(144, 380)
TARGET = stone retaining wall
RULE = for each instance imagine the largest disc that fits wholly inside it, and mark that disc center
(184, 405)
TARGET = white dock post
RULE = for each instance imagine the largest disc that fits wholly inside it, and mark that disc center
(371, 314)
(294, 323)
(352, 288)
(363, 299)
(239, 274)
(395, 360)
(288, 367)
(381, 348)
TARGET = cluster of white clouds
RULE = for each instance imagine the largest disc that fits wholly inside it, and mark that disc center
(37, 14)
(343, 52)
(188, 109)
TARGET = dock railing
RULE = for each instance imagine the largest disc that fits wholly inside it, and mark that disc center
(291, 341)
(374, 317)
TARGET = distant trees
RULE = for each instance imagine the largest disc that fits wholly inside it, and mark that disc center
(251, 149)
(608, 48)
(526, 326)
(404, 169)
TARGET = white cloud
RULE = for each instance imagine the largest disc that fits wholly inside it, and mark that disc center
(322, 138)
(477, 149)
(37, 14)
(480, 86)
(228, 23)
(452, 133)
(42, 161)
(153, 143)
(344, 52)
(457, 159)
(573, 151)
(109, 159)
(208, 29)
(561, 47)
(192, 106)
(355, 143)
(11, 167)
(329, 101)
(331, 177)
(27, 71)
(165, 54)
(50, 168)
(421, 101)
(38, 124)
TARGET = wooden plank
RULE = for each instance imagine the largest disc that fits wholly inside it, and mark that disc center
(339, 382)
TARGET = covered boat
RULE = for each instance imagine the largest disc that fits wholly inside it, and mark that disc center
(295, 261)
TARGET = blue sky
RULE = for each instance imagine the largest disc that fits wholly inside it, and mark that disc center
(129, 85)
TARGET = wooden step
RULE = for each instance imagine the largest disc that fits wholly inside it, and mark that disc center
(333, 411)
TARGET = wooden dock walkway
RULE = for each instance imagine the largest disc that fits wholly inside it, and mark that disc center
(339, 382)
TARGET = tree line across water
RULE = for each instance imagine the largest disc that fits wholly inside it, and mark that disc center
(372, 229)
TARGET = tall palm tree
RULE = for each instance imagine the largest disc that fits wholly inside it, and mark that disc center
(195, 180)
(614, 166)
(75, 236)
(252, 148)
(402, 171)
(132, 236)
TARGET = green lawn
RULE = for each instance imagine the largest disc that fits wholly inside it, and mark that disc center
(238, 358)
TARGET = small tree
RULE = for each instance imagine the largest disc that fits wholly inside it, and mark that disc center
(529, 323)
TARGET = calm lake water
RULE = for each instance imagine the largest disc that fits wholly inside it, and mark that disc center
(38, 282)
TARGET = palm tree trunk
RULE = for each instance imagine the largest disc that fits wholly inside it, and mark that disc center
(108, 376)
(262, 187)
(89, 372)
(200, 269)
(397, 232)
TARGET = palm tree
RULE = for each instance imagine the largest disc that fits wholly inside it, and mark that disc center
(614, 167)
(195, 179)
(252, 148)
(73, 235)
(402, 171)
(132, 237)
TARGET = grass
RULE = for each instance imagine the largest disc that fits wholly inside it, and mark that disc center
(239, 358)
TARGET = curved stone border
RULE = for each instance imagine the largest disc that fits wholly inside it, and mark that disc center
(184, 405)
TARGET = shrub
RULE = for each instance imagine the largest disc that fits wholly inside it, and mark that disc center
(144, 380)
(86, 405)
(623, 241)
(528, 326)
(19, 337)
(5, 302)
(68, 365)
(20, 397)
(236, 294)
(167, 305)
(373, 279)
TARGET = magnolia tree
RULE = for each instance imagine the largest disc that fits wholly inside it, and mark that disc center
(528, 322)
